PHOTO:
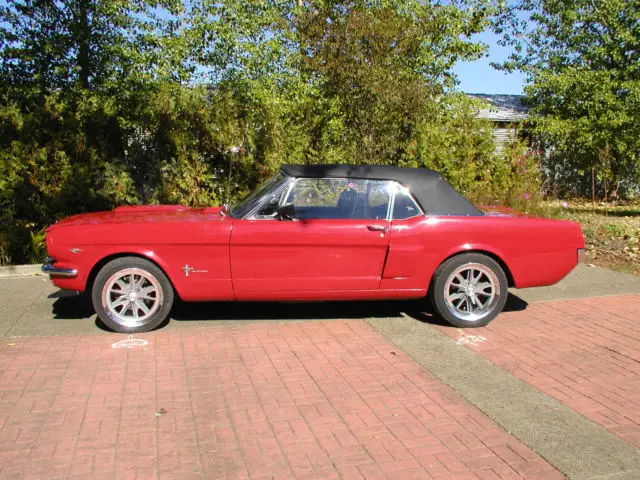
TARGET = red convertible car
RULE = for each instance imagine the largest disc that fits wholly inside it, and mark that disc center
(312, 232)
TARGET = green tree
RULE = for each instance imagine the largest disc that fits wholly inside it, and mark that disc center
(105, 102)
(356, 76)
(75, 77)
(582, 59)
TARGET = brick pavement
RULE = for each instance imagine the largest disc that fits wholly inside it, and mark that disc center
(295, 400)
(584, 353)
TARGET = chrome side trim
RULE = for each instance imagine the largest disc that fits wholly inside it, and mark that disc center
(582, 256)
(52, 271)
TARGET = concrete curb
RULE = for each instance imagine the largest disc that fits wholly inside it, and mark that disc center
(20, 271)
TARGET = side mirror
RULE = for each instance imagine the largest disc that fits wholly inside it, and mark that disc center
(286, 212)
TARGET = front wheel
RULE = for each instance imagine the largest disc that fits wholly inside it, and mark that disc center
(132, 295)
(469, 290)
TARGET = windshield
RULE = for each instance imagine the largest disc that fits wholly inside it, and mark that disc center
(244, 206)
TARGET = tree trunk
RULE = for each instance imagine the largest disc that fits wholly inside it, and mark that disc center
(593, 189)
(84, 39)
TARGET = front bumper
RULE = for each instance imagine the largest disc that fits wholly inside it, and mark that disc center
(57, 272)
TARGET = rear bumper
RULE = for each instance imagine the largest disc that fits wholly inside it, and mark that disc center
(57, 272)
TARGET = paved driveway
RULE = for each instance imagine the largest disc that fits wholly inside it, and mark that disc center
(363, 390)
(305, 400)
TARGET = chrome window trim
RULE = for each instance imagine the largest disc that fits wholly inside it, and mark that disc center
(420, 213)
(288, 192)
(392, 200)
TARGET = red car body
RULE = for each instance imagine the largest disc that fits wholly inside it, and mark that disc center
(208, 255)
(311, 260)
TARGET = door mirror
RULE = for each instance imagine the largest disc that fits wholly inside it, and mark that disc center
(286, 212)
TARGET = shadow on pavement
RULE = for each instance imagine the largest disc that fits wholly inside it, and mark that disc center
(426, 315)
(185, 312)
(70, 306)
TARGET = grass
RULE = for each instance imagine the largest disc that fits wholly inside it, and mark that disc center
(611, 230)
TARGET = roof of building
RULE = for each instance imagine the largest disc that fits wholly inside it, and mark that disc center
(502, 108)
(434, 194)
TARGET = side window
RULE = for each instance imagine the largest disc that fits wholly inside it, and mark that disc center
(339, 198)
(403, 205)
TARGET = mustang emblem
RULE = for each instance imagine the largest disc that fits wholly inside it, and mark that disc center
(187, 270)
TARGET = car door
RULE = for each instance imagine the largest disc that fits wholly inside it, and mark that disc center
(337, 241)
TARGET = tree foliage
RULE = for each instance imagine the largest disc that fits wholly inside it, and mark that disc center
(109, 102)
(582, 59)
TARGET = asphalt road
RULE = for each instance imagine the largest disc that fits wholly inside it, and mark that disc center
(32, 306)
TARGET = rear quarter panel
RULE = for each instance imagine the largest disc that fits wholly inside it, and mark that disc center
(536, 251)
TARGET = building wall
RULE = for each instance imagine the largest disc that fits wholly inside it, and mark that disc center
(502, 136)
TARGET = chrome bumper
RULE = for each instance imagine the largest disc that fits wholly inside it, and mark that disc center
(581, 255)
(57, 272)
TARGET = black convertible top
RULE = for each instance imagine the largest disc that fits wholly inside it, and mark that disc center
(434, 194)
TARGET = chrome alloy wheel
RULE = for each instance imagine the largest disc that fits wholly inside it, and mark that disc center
(472, 291)
(131, 296)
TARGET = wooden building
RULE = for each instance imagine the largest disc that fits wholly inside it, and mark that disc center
(505, 112)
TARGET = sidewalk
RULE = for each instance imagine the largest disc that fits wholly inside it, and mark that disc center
(295, 400)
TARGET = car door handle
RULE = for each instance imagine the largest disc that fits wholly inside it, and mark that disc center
(377, 228)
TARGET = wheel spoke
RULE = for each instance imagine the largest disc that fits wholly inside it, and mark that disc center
(127, 304)
(476, 301)
(465, 301)
(469, 305)
(144, 293)
(122, 299)
(456, 296)
(141, 305)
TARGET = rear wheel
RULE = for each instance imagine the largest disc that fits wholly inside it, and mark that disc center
(132, 295)
(469, 290)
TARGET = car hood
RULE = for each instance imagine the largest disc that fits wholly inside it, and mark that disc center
(141, 214)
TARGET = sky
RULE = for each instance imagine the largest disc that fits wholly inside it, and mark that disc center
(480, 77)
